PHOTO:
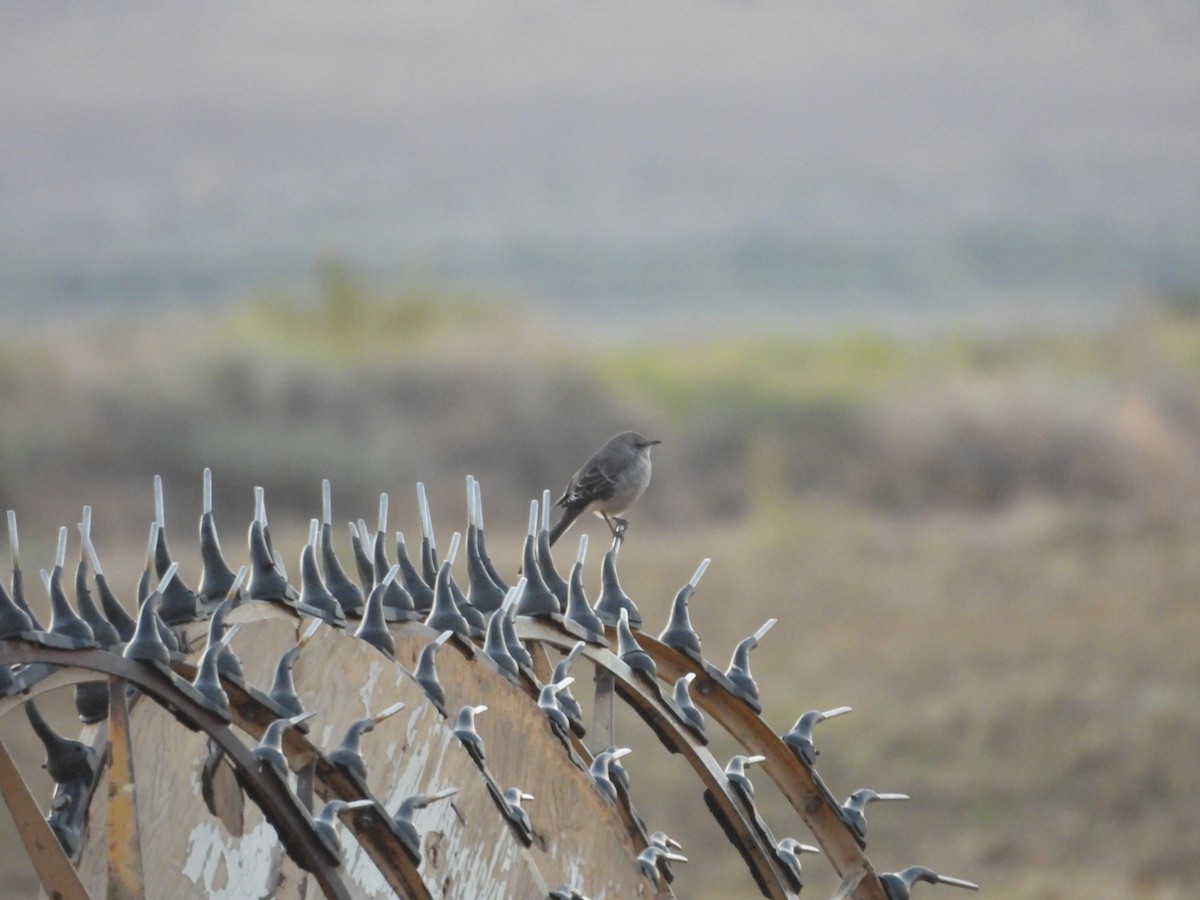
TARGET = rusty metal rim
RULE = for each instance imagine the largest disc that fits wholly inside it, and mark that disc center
(809, 800)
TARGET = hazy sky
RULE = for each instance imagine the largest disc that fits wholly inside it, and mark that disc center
(190, 151)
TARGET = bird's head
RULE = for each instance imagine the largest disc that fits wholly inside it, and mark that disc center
(640, 442)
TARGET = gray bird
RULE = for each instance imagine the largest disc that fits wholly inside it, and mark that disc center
(608, 483)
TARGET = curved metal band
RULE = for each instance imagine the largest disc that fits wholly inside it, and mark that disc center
(813, 803)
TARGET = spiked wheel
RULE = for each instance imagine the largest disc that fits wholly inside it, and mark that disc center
(441, 735)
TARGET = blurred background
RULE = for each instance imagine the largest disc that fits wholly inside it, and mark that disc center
(911, 295)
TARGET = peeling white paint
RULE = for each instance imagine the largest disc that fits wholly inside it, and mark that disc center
(249, 864)
(361, 870)
(194, 774)
(368, 689)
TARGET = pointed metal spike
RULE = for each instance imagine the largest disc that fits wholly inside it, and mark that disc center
(471, 520)
(60, 557)
(146, 643)
(238, 580)
(373, 627)
(154, 528)
(631, 652)
(229, 634)
(313, 627)
(387, 713)
(13, 542)
(159, 513)
(478, 505)
(168, 575)
(90, 550)
(537, 599)
(612, 597)
(426, 518)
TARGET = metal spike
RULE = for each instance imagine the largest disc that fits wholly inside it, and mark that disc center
(216, 576)
(269, 751)
(738, 672)
(403, 820)
(579, 613)
(348, 594)
(373, 627)
(679, 633)
(444, 615)
(482, 545)
(631, 652)
(538, 599)
(898, 885)
(566, 701)
(66, 760)
(787, 852)
(545, 558)
(690, 714)
(735, 772)
(283, 691)
(515, 648)
(348, 756)
(313, 593)
(421, 593)
(612, 598)
(64, 622)
(799, 739)
(426, 672)
(464, 730)
(494, 645)
(853, 809)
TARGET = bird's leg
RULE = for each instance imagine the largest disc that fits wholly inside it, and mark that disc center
(619, 531)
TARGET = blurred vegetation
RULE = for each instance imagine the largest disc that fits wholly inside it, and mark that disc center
(985, 544)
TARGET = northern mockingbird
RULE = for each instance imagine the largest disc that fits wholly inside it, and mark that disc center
(608, 483)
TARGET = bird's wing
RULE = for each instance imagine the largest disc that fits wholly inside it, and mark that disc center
(592, 482)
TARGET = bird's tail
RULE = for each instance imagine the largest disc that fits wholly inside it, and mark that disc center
(570, 514)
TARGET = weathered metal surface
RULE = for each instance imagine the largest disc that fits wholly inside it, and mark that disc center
(469, 851)
(126, 880)
(54, 870)
(579, 838)
(276, 805)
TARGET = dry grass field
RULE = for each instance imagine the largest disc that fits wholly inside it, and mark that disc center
(990, 548)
